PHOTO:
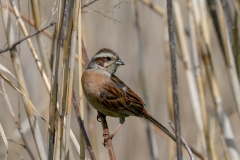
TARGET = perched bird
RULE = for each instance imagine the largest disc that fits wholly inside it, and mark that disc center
(108, 94)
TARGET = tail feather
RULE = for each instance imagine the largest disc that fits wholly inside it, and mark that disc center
(159, 125)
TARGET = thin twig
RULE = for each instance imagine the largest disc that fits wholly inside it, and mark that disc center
(31, 46)
(162, 134)
(19, 155)
(20, 144)
(80, 122)
(153, 6)
(88, 4)
(104, 15)
(174, 78)
(106, 134)
(25, 144)
(40, 39)
(31, 22)
(183, 141)
(25, 38)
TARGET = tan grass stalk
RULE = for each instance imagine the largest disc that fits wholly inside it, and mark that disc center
(40, 39)
(222, 117)
(17, 67)
(189, 72)
(33, 51)
(53, 114)
(58, 140)
(199, 79)
(47, 83)
(71, 74)
(75, 142)
(80, 70)
(154, 7)
(229, 58)
(45, 79)
(200, 21)
(236, 43)
(226, 153)
(5, 141)
(64, 83)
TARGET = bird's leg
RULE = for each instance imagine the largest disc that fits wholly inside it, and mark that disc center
(122, 120)
(99, 115)
(107, 136)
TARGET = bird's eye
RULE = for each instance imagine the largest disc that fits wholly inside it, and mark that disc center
(109, 58)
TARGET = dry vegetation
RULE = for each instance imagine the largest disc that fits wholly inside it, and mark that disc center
(41, 47)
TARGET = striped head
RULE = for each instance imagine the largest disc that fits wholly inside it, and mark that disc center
(106, 60)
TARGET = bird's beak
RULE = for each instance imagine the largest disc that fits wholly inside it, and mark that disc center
(119, 62)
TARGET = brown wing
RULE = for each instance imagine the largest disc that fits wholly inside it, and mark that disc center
(119, 97)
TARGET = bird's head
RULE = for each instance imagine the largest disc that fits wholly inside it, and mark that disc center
(105, 60)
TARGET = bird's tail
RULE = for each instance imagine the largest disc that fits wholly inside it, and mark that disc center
(159, 125)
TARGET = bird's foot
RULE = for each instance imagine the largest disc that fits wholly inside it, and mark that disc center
(99, 115)
(107, 137)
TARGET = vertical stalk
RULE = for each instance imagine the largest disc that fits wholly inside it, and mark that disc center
(54, 81)
(174, 78)
(66, 34)
(80, 70)
(199, 79)
(42, 46)
(70, 76)
(226, 32)
(189, 72)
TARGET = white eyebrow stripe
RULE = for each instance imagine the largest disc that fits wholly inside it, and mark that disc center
(104, 54)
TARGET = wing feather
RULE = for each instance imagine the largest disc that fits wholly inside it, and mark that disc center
(119, 97)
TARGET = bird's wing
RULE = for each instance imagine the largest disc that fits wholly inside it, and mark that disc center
(119, 97)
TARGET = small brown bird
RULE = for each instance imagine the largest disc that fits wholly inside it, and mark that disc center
(108, 94)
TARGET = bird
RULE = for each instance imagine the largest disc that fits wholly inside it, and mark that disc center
(111, 96)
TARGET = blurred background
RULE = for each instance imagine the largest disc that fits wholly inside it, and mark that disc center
(112, 24)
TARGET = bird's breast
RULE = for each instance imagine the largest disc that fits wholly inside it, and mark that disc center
(92, 82)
